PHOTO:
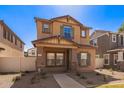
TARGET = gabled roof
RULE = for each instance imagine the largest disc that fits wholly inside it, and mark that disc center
(65, 16)
(98, 33)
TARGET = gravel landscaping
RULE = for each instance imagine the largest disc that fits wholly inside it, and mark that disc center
(92, 79)
(98, 78)
(27, 82)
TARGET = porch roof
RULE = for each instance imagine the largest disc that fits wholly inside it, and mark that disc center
(58, 41)
(116, 50)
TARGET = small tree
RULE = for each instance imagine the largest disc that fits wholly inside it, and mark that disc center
(121, 29)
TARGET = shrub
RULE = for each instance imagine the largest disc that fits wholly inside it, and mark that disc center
(82, 76)
(98, 74)
(77, 73)
(33, 80)
(43, 74)
(89, 82)
(23, 74)
(105, 77)
(16, 78)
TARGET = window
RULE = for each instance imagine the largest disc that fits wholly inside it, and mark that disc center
(83, 59)
(95, 42)
(15, 40)
(20, 44)
(68, 32)
(33, 52)
(106, 59)
(59, 59)
(55, 59)
(97, 56)
(113, 38)
(46, 28)
(83, 33)
(115, 59)
(121, 40)
(50, 59)
(4, 34)
(11, 38)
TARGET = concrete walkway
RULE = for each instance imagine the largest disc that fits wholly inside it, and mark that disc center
(66, 82)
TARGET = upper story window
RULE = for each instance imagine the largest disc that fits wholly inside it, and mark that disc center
(15, 40)
(33, 52)
(122, 39)
(20, 45)
(95, 42)
(11, 38)
(46, 28)
(68, 32)
(4, 34)
(83, 33)
(113, 38)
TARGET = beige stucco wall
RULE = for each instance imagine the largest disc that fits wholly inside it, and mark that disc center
(55, 30)
(17, 64)
(10, 48)
(10, 52)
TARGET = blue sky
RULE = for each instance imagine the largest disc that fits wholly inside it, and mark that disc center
(21, 18)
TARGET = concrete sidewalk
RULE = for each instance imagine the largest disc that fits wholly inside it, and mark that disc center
(66, 82)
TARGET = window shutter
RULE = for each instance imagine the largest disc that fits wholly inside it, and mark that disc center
(88, 59)
(79, 58)
(61, 30)
(72, 34)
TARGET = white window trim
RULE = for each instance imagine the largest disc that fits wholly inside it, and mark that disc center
(108, 59)
(86, 58)
(114, 58)
(114, 35)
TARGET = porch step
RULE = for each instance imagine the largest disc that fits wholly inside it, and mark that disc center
(66, 82)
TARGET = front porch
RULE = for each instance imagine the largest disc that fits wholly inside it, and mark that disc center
(54, 59)
(114, 58)
(59, 54)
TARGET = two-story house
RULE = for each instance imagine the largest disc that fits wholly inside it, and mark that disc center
(110, 46)
(10, 44)
(32, 52)
(63, 45)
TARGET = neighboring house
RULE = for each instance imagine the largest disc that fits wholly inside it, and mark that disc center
(109, 46)
(32, 52)
(63, 45)
(11, 45)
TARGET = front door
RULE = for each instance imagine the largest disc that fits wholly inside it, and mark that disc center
(55, 59)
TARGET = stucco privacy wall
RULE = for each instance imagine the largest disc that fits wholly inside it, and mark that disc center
(9, 51)
(99, 63)
(17, 64)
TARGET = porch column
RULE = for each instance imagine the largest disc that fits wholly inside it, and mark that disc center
(40, 58)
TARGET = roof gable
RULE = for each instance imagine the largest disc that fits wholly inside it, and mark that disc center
(66, 18)
(55, 40)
